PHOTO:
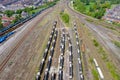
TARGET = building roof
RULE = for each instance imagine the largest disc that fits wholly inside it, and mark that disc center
(6, 24)
(5, 18)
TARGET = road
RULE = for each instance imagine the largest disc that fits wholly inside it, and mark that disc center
(20, 55)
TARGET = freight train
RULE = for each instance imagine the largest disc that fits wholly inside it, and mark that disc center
(53, 36)
(11, 27)
(4, 37)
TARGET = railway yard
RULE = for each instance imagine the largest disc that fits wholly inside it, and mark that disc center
(60, 67)
(45, 48)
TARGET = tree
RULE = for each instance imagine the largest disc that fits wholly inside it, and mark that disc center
(9, 13)
(1, 25)
(87, 2)
(80, 6)
(99, 13)
(27, 9)
(82, 1)
(19, 11)
(102, 1)
(94, 6)
(18, 17)
(91, 9)
(106, 5)
(93, 1)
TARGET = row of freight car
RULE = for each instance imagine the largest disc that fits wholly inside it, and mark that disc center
(70, 57)
(6, 36)
(61, 57)
(42, 63)
(46, 74)
(79, 54)
(21, 21)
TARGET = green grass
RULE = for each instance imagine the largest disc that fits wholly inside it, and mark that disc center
(113, 71)
(97, 22)
(101, 50)
(95, 74)
(91, 60)
(65, 17)
(88, 6)
(90, 20)
(95, 43)
(35, 10)
(112, 28)
(117, 43)
(94, 70)
(109, 64)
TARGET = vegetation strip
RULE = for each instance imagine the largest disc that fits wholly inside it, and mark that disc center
(117, 43)
(109, 64)
(64, 17)
(94, 8)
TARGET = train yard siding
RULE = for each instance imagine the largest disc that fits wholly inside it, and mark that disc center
(45, 48)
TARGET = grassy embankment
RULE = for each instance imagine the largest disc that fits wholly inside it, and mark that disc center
(104, 56)
(106, 25)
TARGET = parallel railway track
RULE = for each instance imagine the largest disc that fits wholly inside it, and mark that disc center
(4, 62)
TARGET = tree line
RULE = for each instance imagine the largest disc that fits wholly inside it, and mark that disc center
(94, 8)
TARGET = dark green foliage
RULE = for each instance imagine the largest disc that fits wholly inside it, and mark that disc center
(27, 9)
(117, 43)
(19, 11)
(65, 17)
(94, 8)
(16, 19)
(80, 6)
(95, 43)
(9, 13)
(102, 1)
(1, 25)
(87, 2)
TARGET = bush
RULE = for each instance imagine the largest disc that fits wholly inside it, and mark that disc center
(95, 43)
(95, 74)
(65, 17)
(117, 43)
